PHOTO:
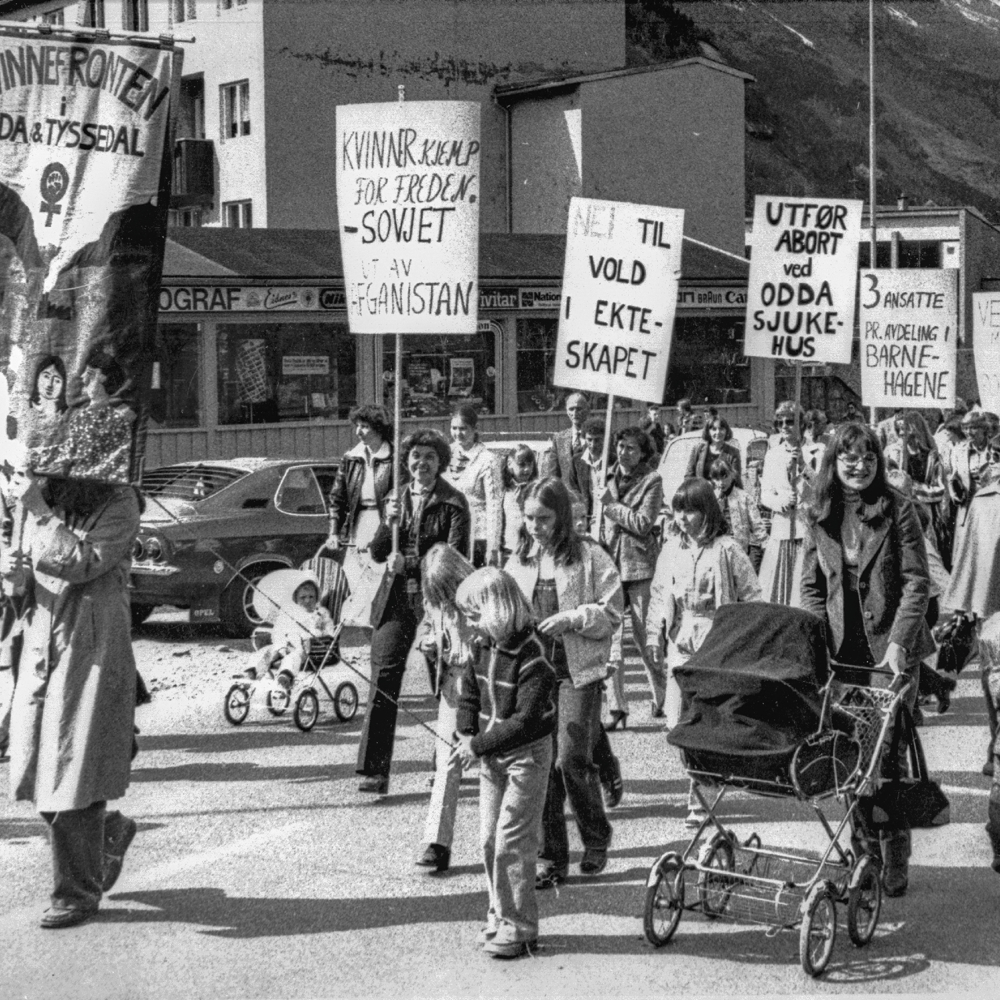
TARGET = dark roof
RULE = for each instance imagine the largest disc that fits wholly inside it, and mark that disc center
(287, 254)
(508, 92)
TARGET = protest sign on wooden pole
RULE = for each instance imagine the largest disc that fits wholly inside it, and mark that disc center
(803, 279)
(619, 297)
(908, 323)
(986, 348)
(408, 206)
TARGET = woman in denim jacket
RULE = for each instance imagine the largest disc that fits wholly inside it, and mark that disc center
(576, 593)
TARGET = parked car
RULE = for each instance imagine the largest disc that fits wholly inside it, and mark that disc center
(674, 461)
(212, 529)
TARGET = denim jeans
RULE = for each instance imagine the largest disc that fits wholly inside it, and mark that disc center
(574, 774)
(440, 825)
(511, 798)
(637, 600)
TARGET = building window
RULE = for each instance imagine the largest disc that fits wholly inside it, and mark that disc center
(883, 254)
(183, 10)
(54, 17)
(536, 356)
(919, 253)
(176, 397)
(234, 107)
(707, 364)
(187, 218)
(135, 15)
(225, 5)
(442, 371)
(93, 14)
(238, 214)
(274, 372)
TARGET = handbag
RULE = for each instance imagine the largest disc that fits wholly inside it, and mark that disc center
(955, 639)
(917, 796)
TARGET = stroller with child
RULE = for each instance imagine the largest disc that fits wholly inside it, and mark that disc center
(322, 671)
(765, 714)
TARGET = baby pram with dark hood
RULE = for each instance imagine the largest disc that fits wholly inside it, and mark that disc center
(764, 713)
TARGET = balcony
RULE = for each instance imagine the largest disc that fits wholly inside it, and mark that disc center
(194, 173)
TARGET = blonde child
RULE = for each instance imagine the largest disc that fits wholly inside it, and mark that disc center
(519, 470)
(989, 659)
(298, 621)
(444, 643)
(506, 718)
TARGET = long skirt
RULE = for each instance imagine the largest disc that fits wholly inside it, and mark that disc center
(781, 571)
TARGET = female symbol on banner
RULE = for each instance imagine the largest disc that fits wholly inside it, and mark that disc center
(55, 183)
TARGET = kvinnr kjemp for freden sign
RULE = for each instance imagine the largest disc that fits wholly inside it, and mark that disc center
(85, 163)
(619, 297)
(908, 323)
(408, 182)
(986, 348)
(803, 279)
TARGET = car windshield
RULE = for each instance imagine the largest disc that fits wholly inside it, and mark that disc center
(190, 482)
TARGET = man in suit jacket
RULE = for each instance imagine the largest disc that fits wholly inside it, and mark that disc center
(563, 459)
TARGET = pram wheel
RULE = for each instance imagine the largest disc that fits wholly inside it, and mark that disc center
(714, 890)
(277, 701)
(864, 901)
(819, 928)
(345, 701)
(664, 900)
(237, 704)
(306, 710)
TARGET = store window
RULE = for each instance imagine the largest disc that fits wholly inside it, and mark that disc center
(441, 371)
(274, 372)
(176, 396)
(707, 364)
(536, 352)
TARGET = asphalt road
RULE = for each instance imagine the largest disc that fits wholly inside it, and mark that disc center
(260, 871)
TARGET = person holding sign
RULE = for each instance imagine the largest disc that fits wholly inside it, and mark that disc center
(865, 575)
(428, 510)
(364, 480)
(475, 474)
(783, 482)
(631, 502)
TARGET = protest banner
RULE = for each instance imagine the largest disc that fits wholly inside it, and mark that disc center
(986, 348)
(803, 279)
(909, 324)
(408, 201)
(84, 193)
(619, 296)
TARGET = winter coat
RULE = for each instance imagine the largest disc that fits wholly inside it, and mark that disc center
(893, 579)
(345, 496)
(592, 590)
(629, 523)
(74, 705)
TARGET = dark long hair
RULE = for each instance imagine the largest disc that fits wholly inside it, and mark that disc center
(567, 546)
(108, 366)
(50, 361)
(828, 498)
(695, 495)
(706, 434)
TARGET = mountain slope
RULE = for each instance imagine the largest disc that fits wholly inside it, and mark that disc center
(937, 83)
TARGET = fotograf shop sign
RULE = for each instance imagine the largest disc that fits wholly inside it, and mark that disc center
(619, 296)
(908, 323)
(408, 202)
(986, 348)
(803, 278)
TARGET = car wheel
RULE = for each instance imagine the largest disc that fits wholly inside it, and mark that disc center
(140, 612)
(236, 604)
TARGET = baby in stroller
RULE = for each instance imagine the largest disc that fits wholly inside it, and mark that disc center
(300, 619)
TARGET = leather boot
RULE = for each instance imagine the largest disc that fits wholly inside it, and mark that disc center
(896, 863)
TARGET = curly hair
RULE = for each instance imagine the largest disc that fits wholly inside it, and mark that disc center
(428, 439)
(641, 438)
(376, 417)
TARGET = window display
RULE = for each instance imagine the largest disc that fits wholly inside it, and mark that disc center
(176, 396)
(273, 372)
(536, 352)
(441, 371)
(707, 364)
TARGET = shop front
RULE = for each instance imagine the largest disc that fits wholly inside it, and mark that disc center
(253, 361)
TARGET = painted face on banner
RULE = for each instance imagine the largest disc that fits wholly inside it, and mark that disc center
(50, 383)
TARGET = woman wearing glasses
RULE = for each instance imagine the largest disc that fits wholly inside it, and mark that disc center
(865, 574)
(784, 481)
